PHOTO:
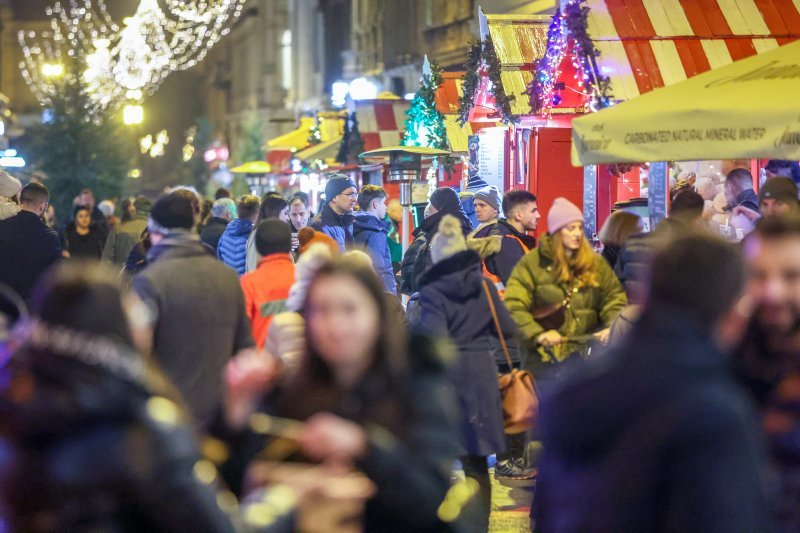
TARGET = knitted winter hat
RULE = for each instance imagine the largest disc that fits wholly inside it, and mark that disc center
(561, 214)
(273, 237)
(449, 240)
(9, 185)
(173, 211)
(779, 188)
(444, 197)
(490, 195)
(337, 184)
(311, 260)
(307, 236)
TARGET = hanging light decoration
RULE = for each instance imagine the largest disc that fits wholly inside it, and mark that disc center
(127, 64)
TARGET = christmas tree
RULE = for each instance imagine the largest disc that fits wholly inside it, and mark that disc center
(425, 124)
(81, 145)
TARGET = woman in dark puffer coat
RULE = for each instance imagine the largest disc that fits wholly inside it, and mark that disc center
(453, 302)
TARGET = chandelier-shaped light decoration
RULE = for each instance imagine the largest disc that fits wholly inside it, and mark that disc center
(123, 65)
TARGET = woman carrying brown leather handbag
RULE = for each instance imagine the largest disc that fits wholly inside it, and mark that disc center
(562, 291)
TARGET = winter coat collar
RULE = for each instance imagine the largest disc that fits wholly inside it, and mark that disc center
(273, 259)
(239, 227)
(178, 243)
(328, 217)
(748, 198)
(461, 261)
(217, 220)
(487, 239)
(369, 222)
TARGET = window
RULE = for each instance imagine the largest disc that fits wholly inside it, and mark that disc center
(286, 60)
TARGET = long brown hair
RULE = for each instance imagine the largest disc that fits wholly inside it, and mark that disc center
(580, 270)
(384, 385)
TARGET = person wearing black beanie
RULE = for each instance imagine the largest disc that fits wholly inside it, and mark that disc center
(443, 201)
(336, 217)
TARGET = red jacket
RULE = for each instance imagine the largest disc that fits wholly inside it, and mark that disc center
(265, 292)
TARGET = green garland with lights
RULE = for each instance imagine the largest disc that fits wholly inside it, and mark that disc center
(315, 135)
(483, 53)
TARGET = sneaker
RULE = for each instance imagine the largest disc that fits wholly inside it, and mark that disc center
(526, 472)
(509, 469)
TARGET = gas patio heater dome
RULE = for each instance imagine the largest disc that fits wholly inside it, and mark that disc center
(405, 167)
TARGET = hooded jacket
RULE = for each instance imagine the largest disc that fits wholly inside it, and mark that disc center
(533, 285)
(201, 319)
(8, 208)
(417, 258)
(337, 227)
(86, 449)
(496, 242)
(652, 436)
(232, 247)
(373, 234)
(453, 303)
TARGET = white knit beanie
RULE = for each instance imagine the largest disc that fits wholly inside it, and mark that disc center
(311, 260)
(9, 185)
(449, 239)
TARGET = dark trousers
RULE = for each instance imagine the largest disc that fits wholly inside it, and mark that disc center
(476, 515)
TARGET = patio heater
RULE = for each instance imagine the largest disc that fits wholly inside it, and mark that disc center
(405, 167)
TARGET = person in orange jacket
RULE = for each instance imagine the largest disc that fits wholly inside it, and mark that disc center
(266, 288)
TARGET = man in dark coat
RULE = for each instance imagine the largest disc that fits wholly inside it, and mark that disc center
(336, 217)
(739, 190)
(199, 305)
(655, 435)
(503, 242)
(222, 212)
(27, 246)
(444, 201)
(125, 236)
(768, 360)
(634, 259)
(371, 230)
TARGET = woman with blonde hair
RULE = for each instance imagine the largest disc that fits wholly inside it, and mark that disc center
(615, 232)
(562, 294)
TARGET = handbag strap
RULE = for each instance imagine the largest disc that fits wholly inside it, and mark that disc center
(497, 324)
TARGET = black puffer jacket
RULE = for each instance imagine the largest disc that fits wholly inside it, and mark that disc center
(84, 450)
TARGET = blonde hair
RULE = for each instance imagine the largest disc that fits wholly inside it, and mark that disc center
(619, 226)
(580, 270)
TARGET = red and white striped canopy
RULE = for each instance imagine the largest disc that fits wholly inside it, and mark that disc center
(381, 122)
(647, 44)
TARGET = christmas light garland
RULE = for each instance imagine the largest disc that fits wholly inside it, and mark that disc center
(123, 65)
(482, 60)
(568, 33)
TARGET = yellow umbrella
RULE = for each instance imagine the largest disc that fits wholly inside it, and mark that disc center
(748, 109)
(253, 167)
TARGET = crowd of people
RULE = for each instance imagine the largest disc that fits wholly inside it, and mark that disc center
(244, 364)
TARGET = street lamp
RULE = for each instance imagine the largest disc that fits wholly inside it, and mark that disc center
(405, 167)
(133, 114)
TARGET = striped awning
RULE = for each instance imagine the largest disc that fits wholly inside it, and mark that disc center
(647, 44)
(381, 122)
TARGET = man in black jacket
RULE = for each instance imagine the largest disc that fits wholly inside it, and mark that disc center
(655, 435)
(222, 212)
(502, 243)
(27, 246)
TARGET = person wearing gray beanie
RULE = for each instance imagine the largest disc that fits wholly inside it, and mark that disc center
(487, 204)
(336, 217)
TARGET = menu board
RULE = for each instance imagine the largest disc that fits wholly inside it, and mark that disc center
(590, 201)
(487, 161)
(657, 185)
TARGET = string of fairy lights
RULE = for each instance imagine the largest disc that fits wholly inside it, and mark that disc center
(123, 64)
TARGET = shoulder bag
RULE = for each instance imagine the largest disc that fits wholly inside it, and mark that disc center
(517, 388)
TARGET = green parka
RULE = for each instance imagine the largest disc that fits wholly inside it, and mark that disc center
(533, 285)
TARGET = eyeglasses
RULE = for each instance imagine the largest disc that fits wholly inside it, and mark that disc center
(351, 195)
